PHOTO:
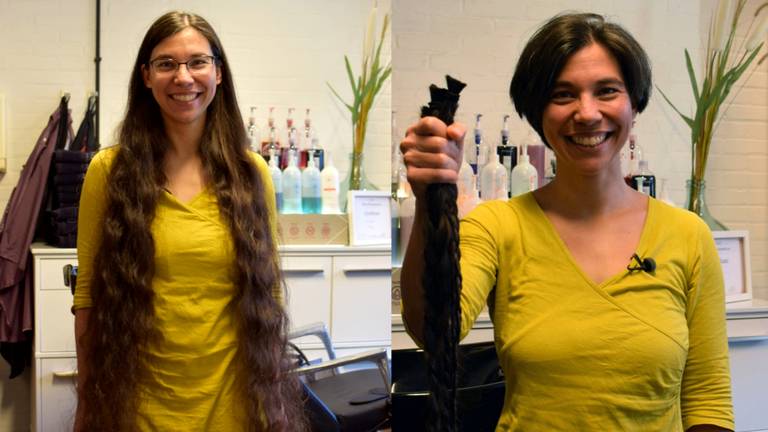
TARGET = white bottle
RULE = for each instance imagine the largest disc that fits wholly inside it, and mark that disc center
(254, 133)
(525, 178)
(277, 180)
(329, 179)
(291, 186)
(493, 181)
(310, 188)
(468, 197)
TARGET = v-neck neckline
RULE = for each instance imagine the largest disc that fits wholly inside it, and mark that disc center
(189, 202)
(565, 251)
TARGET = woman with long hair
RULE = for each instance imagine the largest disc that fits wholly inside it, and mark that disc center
(178, 308)
(590, 332)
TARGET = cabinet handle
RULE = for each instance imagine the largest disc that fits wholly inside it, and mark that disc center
(366, 269)
(67, 374)
(303, 270)
(755, 338)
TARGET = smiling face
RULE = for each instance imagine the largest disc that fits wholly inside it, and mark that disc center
(589, 114)
(183, 97)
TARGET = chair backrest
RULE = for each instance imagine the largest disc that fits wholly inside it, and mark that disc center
(480, 394)
(321, 418)
(318, 330)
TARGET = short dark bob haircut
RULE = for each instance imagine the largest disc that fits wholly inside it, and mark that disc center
(550, 48)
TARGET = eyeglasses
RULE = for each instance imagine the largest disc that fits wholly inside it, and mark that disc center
(195, 65)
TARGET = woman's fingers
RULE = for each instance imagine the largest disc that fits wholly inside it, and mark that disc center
(432, 152)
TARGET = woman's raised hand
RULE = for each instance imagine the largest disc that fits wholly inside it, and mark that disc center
(432, 153)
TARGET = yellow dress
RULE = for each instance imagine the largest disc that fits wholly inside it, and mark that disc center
(638, 352)
(191, 381)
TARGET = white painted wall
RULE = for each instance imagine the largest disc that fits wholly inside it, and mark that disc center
(479, 42)
(282, 54)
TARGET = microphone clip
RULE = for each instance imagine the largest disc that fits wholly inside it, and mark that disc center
(647, 265)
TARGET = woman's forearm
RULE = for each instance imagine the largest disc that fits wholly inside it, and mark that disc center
(81, 324)
(411, 289)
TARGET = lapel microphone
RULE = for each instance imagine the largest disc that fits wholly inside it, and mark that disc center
(647, 265)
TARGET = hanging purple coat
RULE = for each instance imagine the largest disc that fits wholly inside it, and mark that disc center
(16, 233)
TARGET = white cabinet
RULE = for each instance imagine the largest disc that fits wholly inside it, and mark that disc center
(54, 361)
(748, 352)
(57, 388)
(308, 279)
(359, 317)
(347, 288)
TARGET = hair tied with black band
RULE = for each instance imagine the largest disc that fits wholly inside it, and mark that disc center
(442, 278)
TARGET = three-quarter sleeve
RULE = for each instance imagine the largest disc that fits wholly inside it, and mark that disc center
(706, 387)
(479, 236)
(90, 219)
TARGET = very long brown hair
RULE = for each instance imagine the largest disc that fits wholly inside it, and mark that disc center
(121, 323)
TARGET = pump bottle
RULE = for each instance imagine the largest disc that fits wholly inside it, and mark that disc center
(473, 153)
(310, 188)
(254, 133)
(493, 181)
(291, 186)
(291, 137)
(310, 145)
(468, 196)
(525, 178)
(277, 181)
(271, 147)
(329, 179)
(507, 153)
(644, 181)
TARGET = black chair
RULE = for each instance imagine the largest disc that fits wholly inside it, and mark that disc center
(480, 393)
(344, 394)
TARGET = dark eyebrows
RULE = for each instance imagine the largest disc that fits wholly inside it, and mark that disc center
(611, 81)
(170, 57)
(600, 83)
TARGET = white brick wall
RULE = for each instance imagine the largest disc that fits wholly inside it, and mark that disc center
(737, 176)
(47, 47)
(479, 41)
(282, 53)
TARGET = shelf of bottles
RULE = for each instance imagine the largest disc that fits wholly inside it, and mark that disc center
(303, 174)
(498, 169)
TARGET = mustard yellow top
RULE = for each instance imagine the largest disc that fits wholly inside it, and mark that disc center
(638, 352)
(191, 381)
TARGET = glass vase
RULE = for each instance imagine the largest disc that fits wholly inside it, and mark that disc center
(355, 179)
(696, 202)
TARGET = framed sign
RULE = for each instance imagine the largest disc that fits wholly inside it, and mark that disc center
(370, 222)
(733, 248)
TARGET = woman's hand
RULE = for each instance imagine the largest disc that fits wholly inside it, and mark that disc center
(432, 153)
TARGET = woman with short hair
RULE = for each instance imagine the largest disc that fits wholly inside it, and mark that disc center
(589, 337)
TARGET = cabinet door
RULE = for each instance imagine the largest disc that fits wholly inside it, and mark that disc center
(362, 301)
(57, 397)
(51, 273)
(57, 324)
(309, 289)
(749, 380)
